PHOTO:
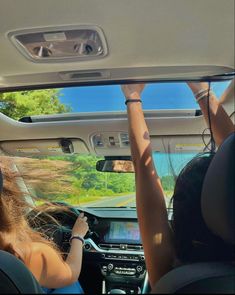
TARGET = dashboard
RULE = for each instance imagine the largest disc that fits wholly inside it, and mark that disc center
(113, 250)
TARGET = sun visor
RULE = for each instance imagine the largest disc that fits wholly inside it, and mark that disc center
(48, 147)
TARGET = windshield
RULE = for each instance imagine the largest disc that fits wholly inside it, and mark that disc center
(75, 180)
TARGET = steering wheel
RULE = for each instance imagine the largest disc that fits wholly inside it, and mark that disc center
(76, 213)
(50, 223)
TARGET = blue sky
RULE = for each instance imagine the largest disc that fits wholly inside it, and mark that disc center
(110, 98)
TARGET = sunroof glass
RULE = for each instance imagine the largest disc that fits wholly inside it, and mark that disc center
(158, 96)
(109, 98)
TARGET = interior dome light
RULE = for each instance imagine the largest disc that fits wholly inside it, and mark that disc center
(60, 44)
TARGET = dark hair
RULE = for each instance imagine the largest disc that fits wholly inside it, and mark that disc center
(194, 242)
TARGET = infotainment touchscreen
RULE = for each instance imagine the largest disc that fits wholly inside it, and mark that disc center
(123, 232)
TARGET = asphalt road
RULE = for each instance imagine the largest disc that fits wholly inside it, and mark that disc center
(123, 201)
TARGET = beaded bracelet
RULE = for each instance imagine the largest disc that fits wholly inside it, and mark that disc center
(78, 238)
(203, 95)
(200, 92)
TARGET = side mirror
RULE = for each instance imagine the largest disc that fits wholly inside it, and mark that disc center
(124, 166)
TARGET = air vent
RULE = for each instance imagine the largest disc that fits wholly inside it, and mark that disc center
(118, 247)
(134, 247)
(60, 44)
(109, 246)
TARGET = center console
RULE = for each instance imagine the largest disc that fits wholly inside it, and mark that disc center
(119, 255)
(123, 271)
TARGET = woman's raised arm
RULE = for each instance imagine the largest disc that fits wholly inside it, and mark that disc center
(150, 201)
(221, 124)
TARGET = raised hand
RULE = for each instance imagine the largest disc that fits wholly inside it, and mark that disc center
(132, 91)
(197, 86)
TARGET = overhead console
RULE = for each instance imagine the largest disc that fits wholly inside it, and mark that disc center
(117, 143)
(44, 147)
(111, 143)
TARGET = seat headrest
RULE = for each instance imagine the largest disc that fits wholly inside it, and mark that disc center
(15, 278)
(218, 192)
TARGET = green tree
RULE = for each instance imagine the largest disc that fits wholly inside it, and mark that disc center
(121, 182)
(34, 102)
(168, 183)
(89, 182)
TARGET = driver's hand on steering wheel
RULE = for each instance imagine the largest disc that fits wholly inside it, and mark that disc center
(81, 226)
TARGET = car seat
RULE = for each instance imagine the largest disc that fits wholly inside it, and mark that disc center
(218, 211)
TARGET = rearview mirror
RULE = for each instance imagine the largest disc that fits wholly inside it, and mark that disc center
(125, 166)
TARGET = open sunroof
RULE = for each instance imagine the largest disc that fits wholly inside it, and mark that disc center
(158, 96)
(97, 99)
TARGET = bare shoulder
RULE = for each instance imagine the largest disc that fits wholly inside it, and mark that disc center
(40, 247)
(44, 250)
(33, 247)
(48, 266)
(35, 251)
